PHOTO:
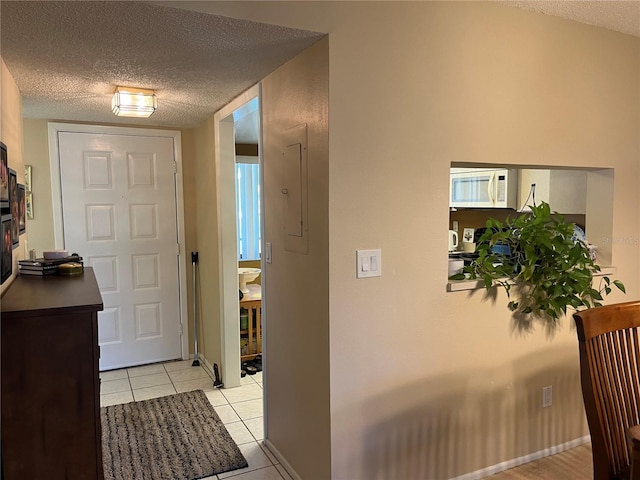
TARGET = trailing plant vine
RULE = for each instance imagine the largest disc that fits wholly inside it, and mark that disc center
(543, 268)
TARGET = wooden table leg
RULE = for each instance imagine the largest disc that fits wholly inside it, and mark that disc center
(258, 330)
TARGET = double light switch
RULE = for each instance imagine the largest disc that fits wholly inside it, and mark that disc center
(369, 263)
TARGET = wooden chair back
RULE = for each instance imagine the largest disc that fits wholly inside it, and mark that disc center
(610, 377)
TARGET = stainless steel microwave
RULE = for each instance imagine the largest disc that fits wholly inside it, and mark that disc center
(483, 188)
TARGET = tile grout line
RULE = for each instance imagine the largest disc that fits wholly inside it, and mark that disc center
(170, 379)
(130, 385)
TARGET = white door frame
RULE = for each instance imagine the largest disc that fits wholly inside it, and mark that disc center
(56, 198)
(228, 238)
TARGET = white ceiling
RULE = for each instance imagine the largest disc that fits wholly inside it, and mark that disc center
(68, 57)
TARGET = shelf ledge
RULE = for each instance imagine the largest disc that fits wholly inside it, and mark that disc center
(475, 284)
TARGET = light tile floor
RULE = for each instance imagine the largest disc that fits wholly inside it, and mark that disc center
(240, 408)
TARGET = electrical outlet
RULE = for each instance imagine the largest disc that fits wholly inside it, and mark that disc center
(547, 396)
(455, 226)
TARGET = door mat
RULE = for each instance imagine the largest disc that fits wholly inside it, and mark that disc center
(177, 437)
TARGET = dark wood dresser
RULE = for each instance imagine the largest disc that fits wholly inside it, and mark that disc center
(50, 378)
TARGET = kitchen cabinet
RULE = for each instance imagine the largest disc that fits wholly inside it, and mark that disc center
(50, 381)
(564, 190)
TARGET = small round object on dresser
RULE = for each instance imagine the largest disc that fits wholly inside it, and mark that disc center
(70, 268)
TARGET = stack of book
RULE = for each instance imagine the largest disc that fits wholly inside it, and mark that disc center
(40, 266)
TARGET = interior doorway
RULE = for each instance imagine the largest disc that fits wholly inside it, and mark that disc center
(246, 121)
(246, 106)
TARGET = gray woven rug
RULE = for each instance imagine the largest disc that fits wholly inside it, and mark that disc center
(178, 437)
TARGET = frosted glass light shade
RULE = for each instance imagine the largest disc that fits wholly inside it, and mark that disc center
(134, 102)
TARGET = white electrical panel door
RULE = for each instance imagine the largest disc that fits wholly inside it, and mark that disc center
(294, 190)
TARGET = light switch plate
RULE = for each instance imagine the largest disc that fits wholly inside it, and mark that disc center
(368, 263)
(268, 252)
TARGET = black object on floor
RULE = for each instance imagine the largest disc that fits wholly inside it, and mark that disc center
(217, 383)
(196, 361)
(257, 362)
(252, 366)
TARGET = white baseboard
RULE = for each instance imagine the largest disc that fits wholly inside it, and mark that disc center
(500, 467)
(206, 364)
(282, 460)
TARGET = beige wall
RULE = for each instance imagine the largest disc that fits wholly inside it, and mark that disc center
(413, 87)
(11, 136)
(189, 175)
(475, 82)
(36, 154)
(296, 285)
(207, 241)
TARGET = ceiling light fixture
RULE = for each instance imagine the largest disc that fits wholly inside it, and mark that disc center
(134, 102)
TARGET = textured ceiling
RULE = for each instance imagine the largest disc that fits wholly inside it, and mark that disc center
(621, 16)
(68, 57)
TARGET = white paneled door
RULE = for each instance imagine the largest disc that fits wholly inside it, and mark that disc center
(119, 214)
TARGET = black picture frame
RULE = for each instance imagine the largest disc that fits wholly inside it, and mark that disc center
(4, 178)
(13, 206)
(22, 210)
(6, 256)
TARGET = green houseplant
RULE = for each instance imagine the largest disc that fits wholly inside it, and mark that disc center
(543, 268)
